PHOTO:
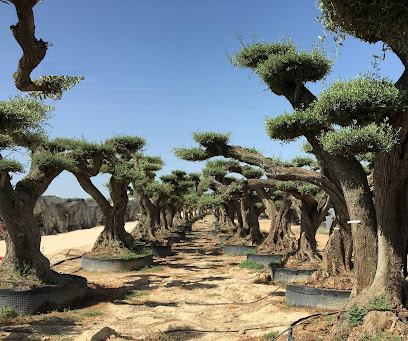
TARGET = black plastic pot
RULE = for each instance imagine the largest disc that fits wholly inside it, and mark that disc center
(108, 265)
(264, 259)
(179, 235)
(289, 275)
(238, 250)
(223, 238)
(42, 299)
(185, 228)
(161, 250)
(316, 297)
(214, 233)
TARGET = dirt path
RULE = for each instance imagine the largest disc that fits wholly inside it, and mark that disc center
(197, 288)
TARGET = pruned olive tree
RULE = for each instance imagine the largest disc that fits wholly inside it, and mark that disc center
(115, 157)
(376, 119)
(280, 238)
(21, 125)
(286, 71)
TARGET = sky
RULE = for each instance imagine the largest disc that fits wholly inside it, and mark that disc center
(158, 69)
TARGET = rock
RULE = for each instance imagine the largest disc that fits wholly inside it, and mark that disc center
(102, 335)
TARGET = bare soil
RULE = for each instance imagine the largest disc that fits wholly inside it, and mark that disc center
(197, 294)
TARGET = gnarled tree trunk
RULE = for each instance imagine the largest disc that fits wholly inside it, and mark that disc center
(281, 239)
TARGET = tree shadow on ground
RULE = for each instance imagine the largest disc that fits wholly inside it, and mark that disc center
(150, 304)
(100, 292)
(43, 325)
(190, 285)
(192, 267)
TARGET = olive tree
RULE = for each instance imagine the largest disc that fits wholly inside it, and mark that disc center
(381, 21)
(115, 157)
(22, 120)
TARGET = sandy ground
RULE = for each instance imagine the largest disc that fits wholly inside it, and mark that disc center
(197, 288)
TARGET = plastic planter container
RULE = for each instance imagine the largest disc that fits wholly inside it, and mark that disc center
(214, 233)
(185, 228)
(264, 259)
(316, 297)
(42, 299)
(289, 275)
(109, 265)
(161, 251)
(223, 238)
(238, 250)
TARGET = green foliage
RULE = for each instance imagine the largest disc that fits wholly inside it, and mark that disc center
(250, 56)
(251, 252)
(252, 173)
(158, 189)
(11, 166)
(127, 143)
(304, 161)
(7, 312)
(92, 313)
(252, 150)
(354, 140)
(356, 315)
(135, 294)
(381, 336)
(209, 201)
(248, 264)
(371, 21)
(152, 269)
(270, 336)
(380, 303)
(290, 126)
(211, 139)
(307, 148)
(170, 178)
(47, 160)
(301, 188)
(22, 113)
(56, 85)
(360, 101)
(293, 67)
(30, 139)
(212, 171)
(191, 154)
(5, 141)
(134, 255)
(80, 148)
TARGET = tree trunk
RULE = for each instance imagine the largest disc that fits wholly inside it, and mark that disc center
(269, 204)
(149, 229)
(22, 236)
(390, 185)
(358, 198)
(229, 216)
(281, 239)
(311, 215)
(250, 224)
(338, 251)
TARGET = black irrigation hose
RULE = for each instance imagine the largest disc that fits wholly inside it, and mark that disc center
(236, 303)
(64, 260)
(223, 331)
(303, 319)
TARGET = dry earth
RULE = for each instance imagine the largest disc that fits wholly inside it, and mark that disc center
(198, 288)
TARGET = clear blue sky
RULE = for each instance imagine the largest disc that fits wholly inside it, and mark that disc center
(158, 69)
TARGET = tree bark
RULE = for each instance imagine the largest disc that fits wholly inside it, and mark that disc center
(390, 184)
(281, 239)
(338, 251)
